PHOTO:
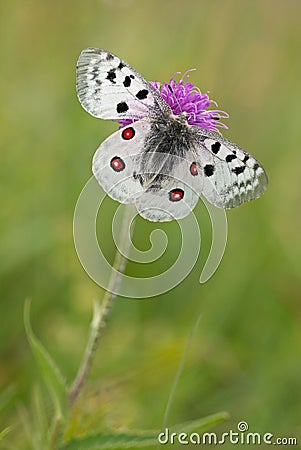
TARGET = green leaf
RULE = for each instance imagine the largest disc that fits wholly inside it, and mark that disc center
(114, 440)
(200, 425)
(51, 374)
(139, 439)
(4, 433)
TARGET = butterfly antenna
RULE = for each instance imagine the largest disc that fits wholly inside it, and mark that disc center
(175, 97)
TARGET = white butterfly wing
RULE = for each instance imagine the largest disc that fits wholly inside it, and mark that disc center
(231, 175)
(117, 159)
(172, 195)
(109, 88)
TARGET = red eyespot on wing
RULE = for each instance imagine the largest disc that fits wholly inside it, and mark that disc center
(176, 195)
(194, 169)
(128, 133)
(117, 164)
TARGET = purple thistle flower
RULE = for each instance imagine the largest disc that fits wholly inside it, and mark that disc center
(186, 97)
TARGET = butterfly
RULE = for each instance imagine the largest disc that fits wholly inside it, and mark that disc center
(158, 161)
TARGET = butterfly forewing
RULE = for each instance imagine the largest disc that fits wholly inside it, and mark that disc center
(109, 88)
(231, 175)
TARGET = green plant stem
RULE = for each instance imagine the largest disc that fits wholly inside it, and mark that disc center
(55, 433)
(101, 312)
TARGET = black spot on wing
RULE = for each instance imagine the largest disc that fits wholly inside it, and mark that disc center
(215, 147)
(238, 170)
(256, 166)
(127, 81)
(246, 158)
(121, 65)
(122, 107)
(209, 170)
(141, 95)
(109, 57)
(111, 75)
(230, 157)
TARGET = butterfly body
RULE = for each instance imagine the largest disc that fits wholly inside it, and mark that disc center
(158, 160)
(168, 137)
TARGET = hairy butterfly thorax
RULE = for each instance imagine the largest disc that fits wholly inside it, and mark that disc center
(168, 136)
(166, 153)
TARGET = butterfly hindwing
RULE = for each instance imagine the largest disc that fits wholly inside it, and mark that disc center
(116, 161)
(231, 175)
(109, 88)
(174, 193)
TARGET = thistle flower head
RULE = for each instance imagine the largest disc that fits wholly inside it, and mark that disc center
(185, 97)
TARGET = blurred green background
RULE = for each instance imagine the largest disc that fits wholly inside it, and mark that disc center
(245, 356)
